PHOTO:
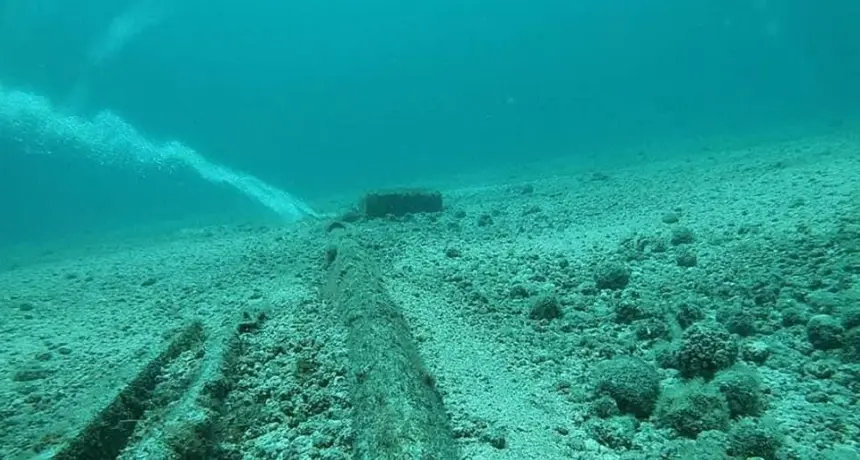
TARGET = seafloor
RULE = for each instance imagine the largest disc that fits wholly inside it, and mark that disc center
(706, 307)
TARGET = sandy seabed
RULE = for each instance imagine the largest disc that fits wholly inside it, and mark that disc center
(733, 266)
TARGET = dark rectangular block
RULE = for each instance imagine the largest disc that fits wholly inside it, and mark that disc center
(399, 203)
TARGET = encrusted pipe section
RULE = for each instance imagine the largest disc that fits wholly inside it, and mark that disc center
(398, 411)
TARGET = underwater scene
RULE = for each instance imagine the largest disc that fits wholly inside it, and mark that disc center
(441, 230)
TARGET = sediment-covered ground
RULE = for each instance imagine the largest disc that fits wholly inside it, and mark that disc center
(703, 308)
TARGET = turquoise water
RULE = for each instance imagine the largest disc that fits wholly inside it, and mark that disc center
(641, 238)
(323, 98)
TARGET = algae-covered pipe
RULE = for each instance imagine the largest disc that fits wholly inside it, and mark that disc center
(398, 412)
